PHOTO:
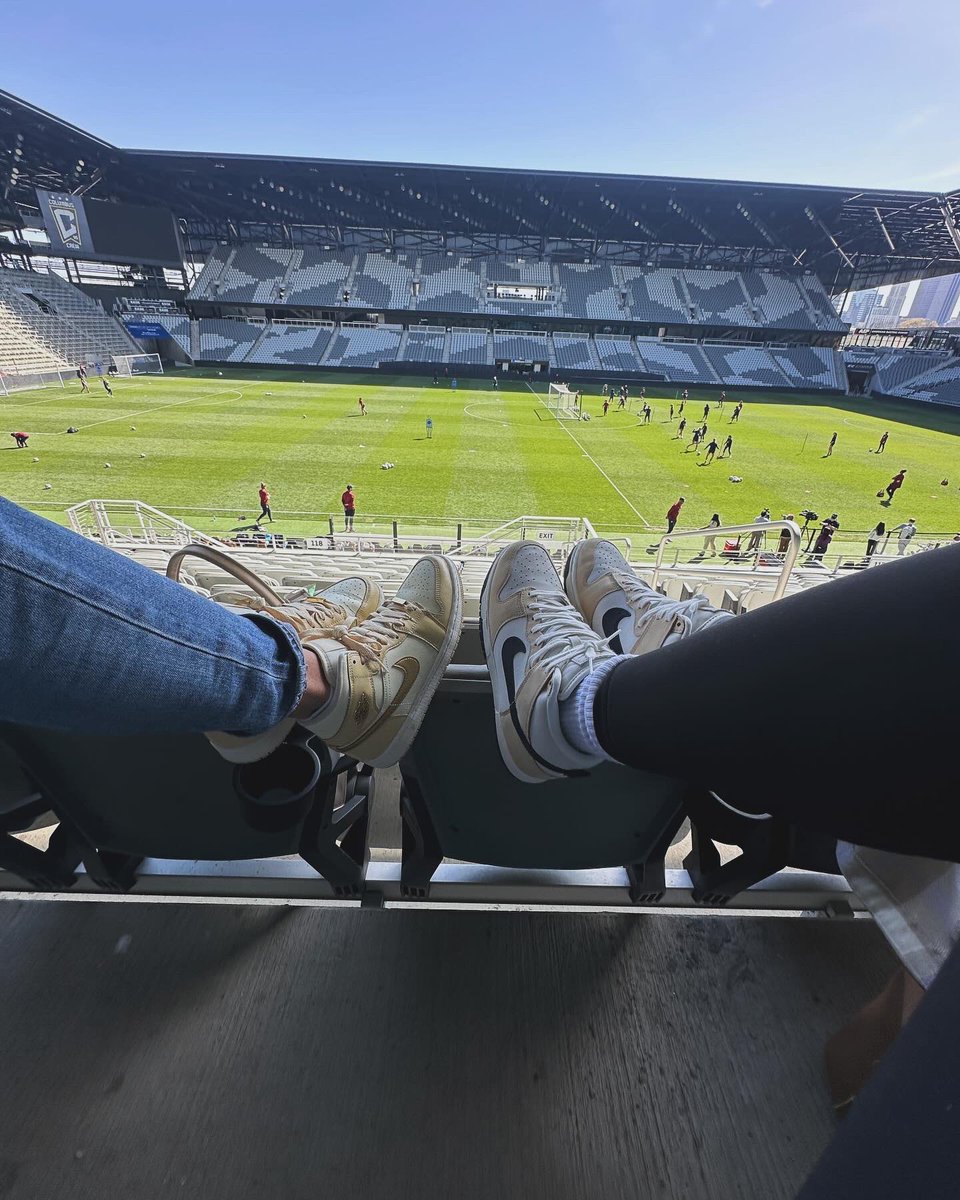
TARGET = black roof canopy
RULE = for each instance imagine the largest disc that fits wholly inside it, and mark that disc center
(850, 237)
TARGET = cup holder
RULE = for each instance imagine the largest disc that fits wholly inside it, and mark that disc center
(277, 791)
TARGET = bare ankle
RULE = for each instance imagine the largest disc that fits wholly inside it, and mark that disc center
(317, 690)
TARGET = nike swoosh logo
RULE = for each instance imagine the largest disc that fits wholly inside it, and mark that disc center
(509, 652)
(611, 624)
(411, 669)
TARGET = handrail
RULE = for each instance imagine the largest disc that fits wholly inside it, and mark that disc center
(789, 559)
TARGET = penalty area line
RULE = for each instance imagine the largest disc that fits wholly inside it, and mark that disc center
(587, 453)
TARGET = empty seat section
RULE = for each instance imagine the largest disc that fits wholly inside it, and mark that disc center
(574, 351)
(449, 283)
(293, 344)
(744, 366)
(590, 291)
(532, 271)
(468, 346)
(779, 299)
(252, 277)
(719, 297)
(384, 281)
(318, 278)
(617, 354)
(656, 296)
(364, 345)
(177, 325)
(425, 345)
(225, 340)
(212, 270)
(521, 347)
(942, 385)
(895, 368)
(822, 304)
(811, 366)
(676, 363)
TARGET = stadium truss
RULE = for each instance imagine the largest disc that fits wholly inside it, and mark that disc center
(851, 238)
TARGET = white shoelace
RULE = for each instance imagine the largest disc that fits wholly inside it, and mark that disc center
(561, 639)
(653, 604)
(378, 633)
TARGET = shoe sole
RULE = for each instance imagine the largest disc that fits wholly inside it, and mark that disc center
(396, 749)
(529, 770)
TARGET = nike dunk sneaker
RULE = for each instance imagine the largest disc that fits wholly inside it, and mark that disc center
(384, 670)
(632, 616)
(339, 606)
(538, 650)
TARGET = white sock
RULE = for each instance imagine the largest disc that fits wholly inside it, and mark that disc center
(576, 712)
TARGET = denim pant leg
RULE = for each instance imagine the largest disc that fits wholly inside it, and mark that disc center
(91, 641)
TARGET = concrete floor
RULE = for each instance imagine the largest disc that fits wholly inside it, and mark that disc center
(228, 1053)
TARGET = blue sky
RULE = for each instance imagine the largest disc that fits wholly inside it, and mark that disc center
(809, 91)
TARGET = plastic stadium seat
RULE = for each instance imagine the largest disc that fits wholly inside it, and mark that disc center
(122, 799)
(459, 801)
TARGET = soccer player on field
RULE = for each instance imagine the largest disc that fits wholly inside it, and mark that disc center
(264, 504)
(736, 412)
(20, 439)
(712, 448)
(349, 502)
(106, 386)
(606, 402)
(706, 411)
(895, 484)
(883, 444)
(673, 513)
(363, 407)
(671, 412)
(621, 403)
(723, 396)
(82, 376)
(681, 427)
(833, 442)
(727, 447)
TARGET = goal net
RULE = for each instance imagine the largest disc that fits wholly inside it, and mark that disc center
(562, 402)
(137, 364)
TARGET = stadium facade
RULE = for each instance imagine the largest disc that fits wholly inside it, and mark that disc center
(412, 267)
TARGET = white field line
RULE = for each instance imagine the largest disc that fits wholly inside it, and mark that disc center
(576, 440)
(234, 394)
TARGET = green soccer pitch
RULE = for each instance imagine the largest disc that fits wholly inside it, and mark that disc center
(197, 443)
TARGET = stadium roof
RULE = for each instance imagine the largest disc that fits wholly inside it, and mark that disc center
(851, 237)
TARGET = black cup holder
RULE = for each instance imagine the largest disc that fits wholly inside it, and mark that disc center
(277, 791)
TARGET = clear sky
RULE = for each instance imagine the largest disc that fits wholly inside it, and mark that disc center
(859, 92)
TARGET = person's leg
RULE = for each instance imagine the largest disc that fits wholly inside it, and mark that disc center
(91, 641)
(757, 671)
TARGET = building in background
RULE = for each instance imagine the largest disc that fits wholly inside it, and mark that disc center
(936, 299)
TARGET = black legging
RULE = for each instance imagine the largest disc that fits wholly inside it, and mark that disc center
(772, 710)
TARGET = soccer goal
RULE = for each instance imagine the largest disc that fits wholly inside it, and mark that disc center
(137, 364)
(562, 402)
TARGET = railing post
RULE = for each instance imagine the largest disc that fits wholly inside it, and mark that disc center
(459, 535)
(331, 528)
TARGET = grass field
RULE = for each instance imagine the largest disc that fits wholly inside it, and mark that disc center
(209, 439)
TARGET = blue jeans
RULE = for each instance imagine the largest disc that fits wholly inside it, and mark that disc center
(92, 642)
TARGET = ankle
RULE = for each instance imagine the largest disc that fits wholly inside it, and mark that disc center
(317, 690)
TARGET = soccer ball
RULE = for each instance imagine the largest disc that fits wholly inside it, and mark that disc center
(143, 456)
(36, 460)
(736, 479)
(106, 464)
(133, 429)
(944, 482)
(47, 487)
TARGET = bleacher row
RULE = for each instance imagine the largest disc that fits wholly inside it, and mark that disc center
(46, 324)
(451, 283)
(288, 571)
(734, 365)
(931, 375)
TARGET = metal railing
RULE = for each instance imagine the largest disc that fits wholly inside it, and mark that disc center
(789, 558)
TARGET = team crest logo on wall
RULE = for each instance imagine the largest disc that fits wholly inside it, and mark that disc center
(64, 213)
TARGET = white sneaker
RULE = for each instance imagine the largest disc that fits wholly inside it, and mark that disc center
(384, 670)
(336, 607)
(631, 615)
(538, 650)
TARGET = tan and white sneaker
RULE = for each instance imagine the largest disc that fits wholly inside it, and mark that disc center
(538, 650)
(335, 608)
(631, 615)
(384, 670)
